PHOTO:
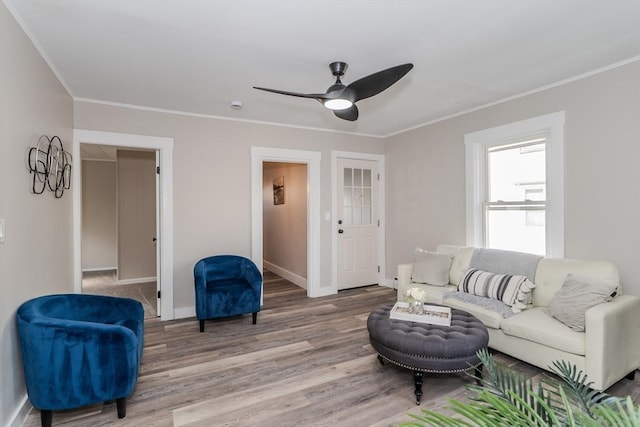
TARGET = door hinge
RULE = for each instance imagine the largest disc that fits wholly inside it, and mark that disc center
(378, 223)
(378, 177)
(159, 293)
(378, 269)
(158, 170)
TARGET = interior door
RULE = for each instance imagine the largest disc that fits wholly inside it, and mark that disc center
(357, 223)
(157, 236)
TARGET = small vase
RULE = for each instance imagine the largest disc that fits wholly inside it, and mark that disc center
(417, 307)
(410, 308)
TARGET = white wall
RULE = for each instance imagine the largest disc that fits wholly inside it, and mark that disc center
(99, 242)
(36, 257)
(426, 172)
(212, 182)
(285, 226)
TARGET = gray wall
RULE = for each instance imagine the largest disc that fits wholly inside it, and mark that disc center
(99, 242)
(36, 257)
(426, 172)
(212, 178)
(285, 226)
(136, 214)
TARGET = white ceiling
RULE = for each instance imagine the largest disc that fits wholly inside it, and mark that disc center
(197, 56)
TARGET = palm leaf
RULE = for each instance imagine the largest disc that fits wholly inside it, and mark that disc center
(510, 398)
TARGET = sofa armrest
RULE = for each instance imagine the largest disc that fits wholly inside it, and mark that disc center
(612, 343)
(404, 279)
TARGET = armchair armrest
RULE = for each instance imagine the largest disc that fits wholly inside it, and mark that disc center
(612, 342)
(252, 275)
(80, 357)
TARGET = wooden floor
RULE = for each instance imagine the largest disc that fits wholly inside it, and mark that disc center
(307, 362)
(105, 283)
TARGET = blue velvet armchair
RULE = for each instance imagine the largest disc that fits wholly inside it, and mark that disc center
(226, 285)
(80, 349)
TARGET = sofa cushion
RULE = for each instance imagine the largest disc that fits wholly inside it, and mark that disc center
(433, 294)
(430, 268)
(575, 297)
(490, 318)
(551, 273)
(461, 258)
(536, 325)
(513, 290)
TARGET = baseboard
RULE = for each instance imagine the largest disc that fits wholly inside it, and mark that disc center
(389, 283)
(21, 413)
(134, 281)
(286, 274)
(184, 312)
(92, 270)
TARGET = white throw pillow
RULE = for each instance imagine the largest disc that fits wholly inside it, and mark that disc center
(513, 290)
(431, 268)
(575, 297)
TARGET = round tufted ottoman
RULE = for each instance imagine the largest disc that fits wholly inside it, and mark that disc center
(423, 347)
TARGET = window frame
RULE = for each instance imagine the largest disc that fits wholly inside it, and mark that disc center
(476, 144)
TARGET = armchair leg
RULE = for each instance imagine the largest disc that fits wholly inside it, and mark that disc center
(202, 326)
(255, 317)
(121, 405)
(46, 417)
(631, 375)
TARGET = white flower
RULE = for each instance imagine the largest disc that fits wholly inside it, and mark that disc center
(416, 294)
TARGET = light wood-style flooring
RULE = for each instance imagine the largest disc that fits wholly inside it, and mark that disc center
(105, 283)
(307, 362)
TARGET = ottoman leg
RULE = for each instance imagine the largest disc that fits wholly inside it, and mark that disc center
(478, 370)
(381, 360)
(417, 376)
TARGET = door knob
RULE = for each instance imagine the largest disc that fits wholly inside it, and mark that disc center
(340, 231)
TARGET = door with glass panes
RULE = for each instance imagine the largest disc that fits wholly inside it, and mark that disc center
(357, 223)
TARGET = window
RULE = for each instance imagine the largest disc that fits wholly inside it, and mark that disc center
(515, 203)
(515, 186)
(357, 196)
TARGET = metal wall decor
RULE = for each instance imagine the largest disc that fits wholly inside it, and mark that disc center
(50, 166)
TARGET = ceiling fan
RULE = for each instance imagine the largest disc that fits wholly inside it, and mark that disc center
(341, 99)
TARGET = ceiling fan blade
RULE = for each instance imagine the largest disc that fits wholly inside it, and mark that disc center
(318, 96)
(377, 82)
(350, 113)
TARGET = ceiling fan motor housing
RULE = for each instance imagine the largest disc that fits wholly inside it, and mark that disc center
(338, 68)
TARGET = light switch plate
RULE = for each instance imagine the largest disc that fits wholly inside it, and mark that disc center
(1, 230)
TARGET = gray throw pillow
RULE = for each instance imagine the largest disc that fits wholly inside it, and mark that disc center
(431, 268)
(575, 297)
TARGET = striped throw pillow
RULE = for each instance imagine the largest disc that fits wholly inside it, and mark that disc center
(513, 290)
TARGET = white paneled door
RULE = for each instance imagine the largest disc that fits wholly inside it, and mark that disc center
(357, 223)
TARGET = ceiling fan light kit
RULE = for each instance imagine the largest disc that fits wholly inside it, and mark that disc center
(338, 104)
(341, 99)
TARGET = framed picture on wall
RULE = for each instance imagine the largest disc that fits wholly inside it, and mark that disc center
(278, 190)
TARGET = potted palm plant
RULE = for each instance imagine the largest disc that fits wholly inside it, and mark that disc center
(507, 398)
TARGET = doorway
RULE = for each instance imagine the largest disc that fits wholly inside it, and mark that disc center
(164, 208)
(259, 155)
(119, 217)
(284, 216)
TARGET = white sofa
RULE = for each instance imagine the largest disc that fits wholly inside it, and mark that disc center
(608, 349)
